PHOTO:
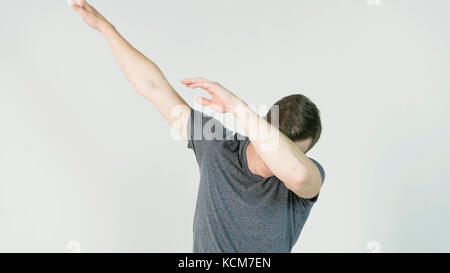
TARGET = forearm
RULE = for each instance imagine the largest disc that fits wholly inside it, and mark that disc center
(284, 159)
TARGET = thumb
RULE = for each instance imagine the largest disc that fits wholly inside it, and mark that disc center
(82, 3)
(76, 8)
(77, 3)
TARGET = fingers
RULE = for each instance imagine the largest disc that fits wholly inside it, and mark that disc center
(75, 2)
(208, 103)
(76, 8)
(193, 80)
(200, 83)
(77, 5)
(82, 3)
(207, 86)
(203, 101)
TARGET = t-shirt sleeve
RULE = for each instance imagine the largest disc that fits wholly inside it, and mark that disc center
(203, 131)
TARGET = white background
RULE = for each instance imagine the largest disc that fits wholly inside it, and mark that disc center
(84, 158)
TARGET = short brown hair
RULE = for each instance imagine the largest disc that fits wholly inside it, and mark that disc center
(299, 118)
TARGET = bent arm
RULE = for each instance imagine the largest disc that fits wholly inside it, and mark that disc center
(143, 74)
(280, 154)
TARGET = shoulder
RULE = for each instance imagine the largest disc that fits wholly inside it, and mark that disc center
(207, 134)
(204, 127)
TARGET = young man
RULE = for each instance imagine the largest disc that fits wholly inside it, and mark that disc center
(255, 192)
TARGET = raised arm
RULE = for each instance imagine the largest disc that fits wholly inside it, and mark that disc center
(143, 74)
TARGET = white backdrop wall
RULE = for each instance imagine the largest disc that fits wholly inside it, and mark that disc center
(83, 158)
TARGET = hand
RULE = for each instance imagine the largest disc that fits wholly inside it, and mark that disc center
(89, 14)
(222, 100)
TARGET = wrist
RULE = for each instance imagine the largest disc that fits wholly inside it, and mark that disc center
(239, 108)
(105, 26)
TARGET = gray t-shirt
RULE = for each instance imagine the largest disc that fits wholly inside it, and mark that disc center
(238, 211)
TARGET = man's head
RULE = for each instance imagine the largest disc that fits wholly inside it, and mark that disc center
(298, 119)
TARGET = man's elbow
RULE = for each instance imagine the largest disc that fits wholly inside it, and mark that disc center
(301, 179)
(303, 185)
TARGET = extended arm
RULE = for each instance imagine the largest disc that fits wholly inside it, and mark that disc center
(143, 74)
